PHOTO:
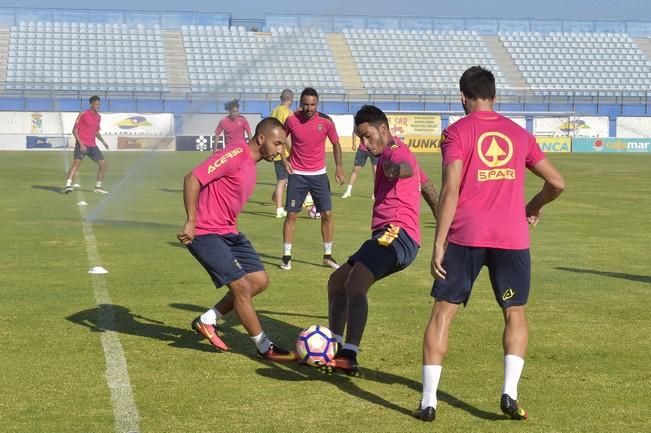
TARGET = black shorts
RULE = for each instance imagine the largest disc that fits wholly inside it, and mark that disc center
(509, 271)
(93, 153)
(299, 185)
(227, 258)
(362, 155)
(281, 172)
(389, 250)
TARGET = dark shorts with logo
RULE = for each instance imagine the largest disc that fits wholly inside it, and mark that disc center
(509, 272)
(226, 258)
(281, 172)
(93, 153)
(384, 259)
(362, 155)
(299, 185)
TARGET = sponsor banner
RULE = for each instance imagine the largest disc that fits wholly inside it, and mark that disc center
(137, 124)
(571, 126)
(199, 143)
(345, 125)
(40, 142)
(612, 145)
(31, 123)
(634, 127)
(146, 143)
(554, 144)
(520, 120)
(421, 132)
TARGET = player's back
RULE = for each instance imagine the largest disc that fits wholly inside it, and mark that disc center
(495, 153)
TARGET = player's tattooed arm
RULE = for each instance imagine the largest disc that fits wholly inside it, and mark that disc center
(431, 196)
(395, 170)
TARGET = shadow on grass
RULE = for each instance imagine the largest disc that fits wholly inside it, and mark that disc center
(50, 188)
(172, 190)
(285, 333)
(631, 277)
(116, 318)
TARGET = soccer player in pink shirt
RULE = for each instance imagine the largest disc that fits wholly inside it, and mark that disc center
(306, 166)
(86, 132)
(214, 194)
(395, 238)
(482, 221)
(235, 127)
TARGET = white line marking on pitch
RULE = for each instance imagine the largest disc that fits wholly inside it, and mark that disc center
(125, 411)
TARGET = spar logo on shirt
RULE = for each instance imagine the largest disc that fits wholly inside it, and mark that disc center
(224, 159)
(495, 150)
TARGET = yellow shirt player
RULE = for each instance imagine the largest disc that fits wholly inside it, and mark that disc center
(281, 112)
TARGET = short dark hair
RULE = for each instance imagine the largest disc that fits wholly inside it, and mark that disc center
(232, 104)
(266, 124)
(372, 115)
(309, 91)
(286, 95)
(478, 83)
(93, 99)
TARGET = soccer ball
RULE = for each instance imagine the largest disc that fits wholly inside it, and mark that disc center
(316, 345)
(308, 201)
(312, 213)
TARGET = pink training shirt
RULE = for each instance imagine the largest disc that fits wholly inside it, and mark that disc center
(88, 125)
(233, 130)
(495, 152)
(308, 141)
(397, 201)
(227, 181)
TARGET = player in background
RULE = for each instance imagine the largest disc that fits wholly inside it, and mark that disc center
(235, 127)
(214, 193)
(482, 221)
(282, 112)
(361, 156)
(395, 239)
(306, 166)
(86, 133)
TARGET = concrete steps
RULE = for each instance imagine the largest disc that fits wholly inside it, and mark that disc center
(346, 66)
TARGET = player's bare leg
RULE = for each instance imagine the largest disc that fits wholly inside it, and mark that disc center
(289, 227)
(351, 181)
(101, 171)
(71, 175)
(328, 234)
(435, 348)
(515, 341)
(337, 303)
(281, 185)
(356, 281)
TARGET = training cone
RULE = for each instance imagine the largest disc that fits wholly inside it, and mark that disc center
(97, 270)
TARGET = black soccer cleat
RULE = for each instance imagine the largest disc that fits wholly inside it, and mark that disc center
(512, 409)
(427, 414)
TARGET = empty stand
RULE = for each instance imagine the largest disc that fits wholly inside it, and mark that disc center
(582, 64)
(233, 60)
(86, 56)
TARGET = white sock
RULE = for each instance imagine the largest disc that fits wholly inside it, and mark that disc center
(211, 316)
(352, 347)
(98, 184)
(339, 339)
(287, 249)
(280, 209)
(327, 248)
(261, 342)
(431, 377)
(513, 366)
(69, 182)
(349, 189)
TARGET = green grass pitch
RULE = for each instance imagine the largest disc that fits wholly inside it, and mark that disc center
(587, 369)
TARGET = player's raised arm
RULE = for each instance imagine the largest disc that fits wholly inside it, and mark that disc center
(191, 188)
(552, 188)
